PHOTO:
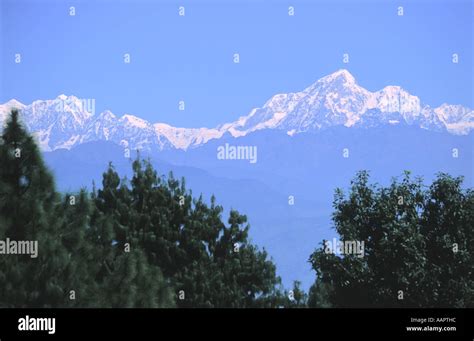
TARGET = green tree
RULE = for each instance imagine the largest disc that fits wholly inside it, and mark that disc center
(296, 297)
(140, 243)
(82, 264)
(28, 212)
(208, 263)
(417, 245)
(320, 295)
(124, 276)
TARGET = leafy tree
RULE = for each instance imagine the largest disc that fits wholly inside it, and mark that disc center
(320, 295)
(417, 245)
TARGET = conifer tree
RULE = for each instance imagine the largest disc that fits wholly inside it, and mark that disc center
(79, 275)
(210, 264)
(125, 277)
(140, 243)
(28, 205)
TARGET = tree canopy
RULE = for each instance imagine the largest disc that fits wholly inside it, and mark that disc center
(148, 242)
(143, 242)
(417, 243)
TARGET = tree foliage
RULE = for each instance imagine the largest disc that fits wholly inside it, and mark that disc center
(207, 263)
(417, 246)
(144, 242)
(28, 213)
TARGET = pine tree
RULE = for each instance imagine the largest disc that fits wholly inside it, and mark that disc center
(79, 275)
(28, 207)
(139, 243)
(209, 264)
(125, 277)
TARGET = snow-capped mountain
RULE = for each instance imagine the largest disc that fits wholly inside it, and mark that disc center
(182, 138)
(333, 100)
(338, 100)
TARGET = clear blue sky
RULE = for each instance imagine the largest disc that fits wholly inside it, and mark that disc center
(191, 57)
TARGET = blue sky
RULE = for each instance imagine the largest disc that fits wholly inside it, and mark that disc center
(190, 58)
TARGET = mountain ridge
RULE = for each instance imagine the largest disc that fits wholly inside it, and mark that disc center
(333, 100)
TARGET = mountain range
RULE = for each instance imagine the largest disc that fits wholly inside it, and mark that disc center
(334, 100)
(301, 139)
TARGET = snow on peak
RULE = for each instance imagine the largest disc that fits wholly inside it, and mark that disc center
(184, 138)
(333, 100)
(342, 74)
(337, 99)
(395, 99)
(458, 120)
(135, 121)
(13, 103)
(107, 115)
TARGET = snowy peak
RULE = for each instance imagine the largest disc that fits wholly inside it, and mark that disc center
(453, 113)
(337, 99)
(342, 77)
(457, 119)
(333, 100)
(7, 107)
(184, 138)
(134, 121)
(13, 103)
(395, 99)
(340, 82)
(106, 116)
